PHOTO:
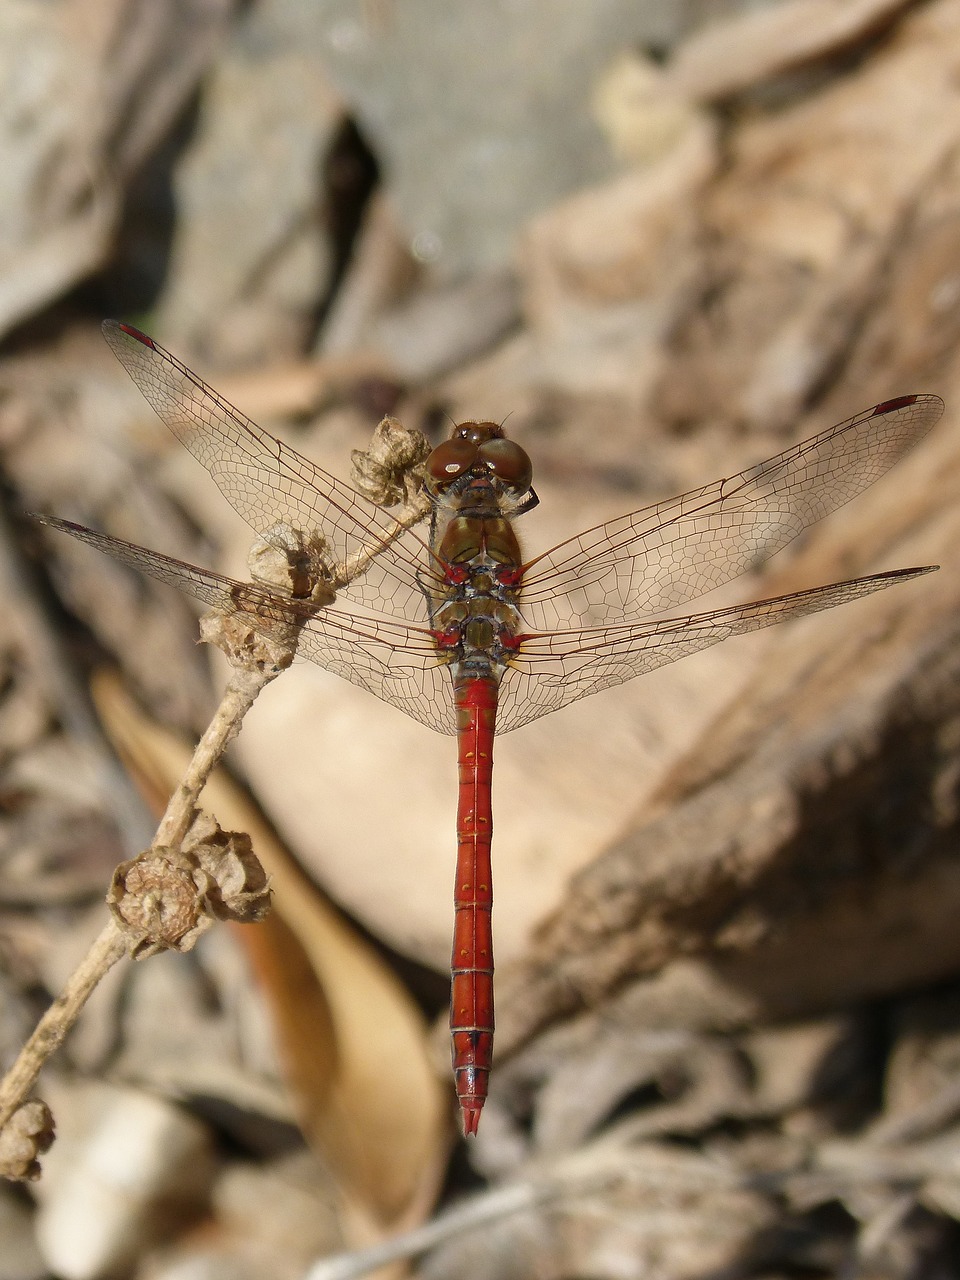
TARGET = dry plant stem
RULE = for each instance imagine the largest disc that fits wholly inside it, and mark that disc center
(112, 943)
(238, 697)
(501, 1203)
(52, 1028)
(413, 513)
(249, 676)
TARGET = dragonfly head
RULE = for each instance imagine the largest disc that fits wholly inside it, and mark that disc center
(480, 449)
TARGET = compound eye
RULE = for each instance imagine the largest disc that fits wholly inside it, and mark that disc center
(450, 460)
(509, 463)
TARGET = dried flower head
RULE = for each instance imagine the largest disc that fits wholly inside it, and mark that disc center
(390, 471)
(240, 635)
(256, 632)
(294, 562)
(23, 1139)
(236, 886)
(165, 899)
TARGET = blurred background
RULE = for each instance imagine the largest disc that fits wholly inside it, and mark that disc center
(665, 240)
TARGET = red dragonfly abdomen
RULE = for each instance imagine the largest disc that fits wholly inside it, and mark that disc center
(471, 998)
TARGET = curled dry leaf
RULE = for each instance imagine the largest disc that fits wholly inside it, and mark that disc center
(356, 1048)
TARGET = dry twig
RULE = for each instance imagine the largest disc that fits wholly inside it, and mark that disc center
(194, 873)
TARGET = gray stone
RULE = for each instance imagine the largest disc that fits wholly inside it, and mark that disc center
(250, 262)
(481, 114)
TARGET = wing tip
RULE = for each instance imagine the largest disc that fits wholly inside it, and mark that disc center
(112, 328)
(53, 522)
(923, 398)
(915, 571)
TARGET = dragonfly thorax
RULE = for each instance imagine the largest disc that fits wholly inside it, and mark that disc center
(475, 613)
(483, 543)
(482, 627)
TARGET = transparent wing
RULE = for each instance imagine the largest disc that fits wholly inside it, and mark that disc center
(583, 600)
(268, 483)
(394, 660)
(555, 669)
(672, 552)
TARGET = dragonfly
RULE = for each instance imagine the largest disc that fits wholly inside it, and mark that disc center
(453, 627)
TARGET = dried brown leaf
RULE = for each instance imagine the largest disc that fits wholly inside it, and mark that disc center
(356, 1046)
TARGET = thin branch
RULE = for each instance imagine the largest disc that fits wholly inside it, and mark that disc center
(52, 1028)
(360, 561)
(502, 1203)
(239, 695)
(113, 942)
(169, 894)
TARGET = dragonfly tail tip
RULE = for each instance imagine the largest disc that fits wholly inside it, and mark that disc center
(471, 1117)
